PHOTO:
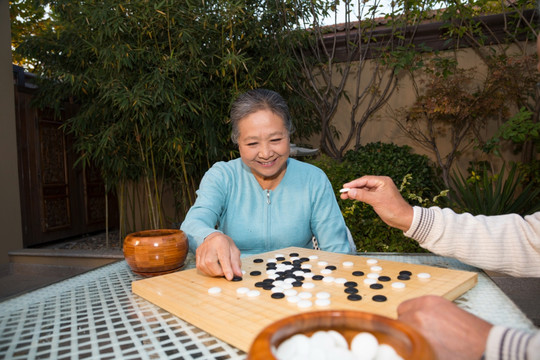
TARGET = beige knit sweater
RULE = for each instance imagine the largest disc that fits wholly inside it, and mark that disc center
(505, 243)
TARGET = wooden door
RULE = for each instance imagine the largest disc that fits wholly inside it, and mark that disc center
(58, 200)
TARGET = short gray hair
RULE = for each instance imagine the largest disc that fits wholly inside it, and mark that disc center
(255, 100)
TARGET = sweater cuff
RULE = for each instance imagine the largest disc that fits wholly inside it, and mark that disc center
(421, 225)
(505, 343)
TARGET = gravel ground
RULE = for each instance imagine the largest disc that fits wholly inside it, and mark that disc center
(96, 241)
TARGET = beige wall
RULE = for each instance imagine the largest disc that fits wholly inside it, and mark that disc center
(383, 126)
(10, 210)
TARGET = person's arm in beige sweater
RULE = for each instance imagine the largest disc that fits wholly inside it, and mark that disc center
(507, 243)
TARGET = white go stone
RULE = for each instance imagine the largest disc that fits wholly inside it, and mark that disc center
(326, 271)
(423, 275)
(271, 260)
(242, 290)
(278, 255)
(306, 266)
(214, 290)
(276, 289)
(340, 281)
(308, 275)
(322, 295)
(398, 285)
(290, 292)
(386, 352)
(313, 257)
(372, 276)
(322, 263)
(253, 293)
(339, 339)
(348, 263)
(308, 285)
(322, 302)
(364, 345)
(294, 347)
(304, 304)
(376, 268)
(305, 295)
(293, 299)
(287, 286)
(328, 279)
(372, 261)
(370, 281)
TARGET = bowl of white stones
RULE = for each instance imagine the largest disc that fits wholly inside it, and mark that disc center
(339, 334)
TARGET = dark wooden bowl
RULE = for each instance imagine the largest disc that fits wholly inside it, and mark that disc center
(407, 342)
(156, 252)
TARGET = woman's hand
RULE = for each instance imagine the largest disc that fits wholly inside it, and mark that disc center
(219, 256)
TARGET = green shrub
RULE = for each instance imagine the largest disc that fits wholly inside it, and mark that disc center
(413, 173)
(484, 193)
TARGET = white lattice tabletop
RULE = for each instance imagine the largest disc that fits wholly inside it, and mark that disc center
(96, 316)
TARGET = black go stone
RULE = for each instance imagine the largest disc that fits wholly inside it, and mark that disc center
(287, 263)
(330, 267)
(268, 281)
(296, 284)
(351, 290)
(256, 261)
(280, 258)
(351, 284)
(300, 278)
(277, 295)
(306, 270)
(260, 284)
(304, 259)
(376, 286)
(255, 273)
(358, 273)
(379, 298)
(317, 277)
(293, 254)
(354, 297)
(384, 278)
(268, 286)
(237, 278)
(404, 277)
(405, 272)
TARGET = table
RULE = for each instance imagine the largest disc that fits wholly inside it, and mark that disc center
(95, 315)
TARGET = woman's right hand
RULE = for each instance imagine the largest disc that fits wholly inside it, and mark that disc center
(219, 256)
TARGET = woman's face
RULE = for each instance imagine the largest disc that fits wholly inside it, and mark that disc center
(264, 146)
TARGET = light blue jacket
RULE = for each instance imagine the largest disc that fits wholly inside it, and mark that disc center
(303, 205)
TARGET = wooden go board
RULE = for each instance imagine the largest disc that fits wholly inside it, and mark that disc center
(238, 318)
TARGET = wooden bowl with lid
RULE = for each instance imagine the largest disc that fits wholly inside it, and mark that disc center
(156, 252)
(406, 341)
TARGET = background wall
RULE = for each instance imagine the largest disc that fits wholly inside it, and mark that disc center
(382, 127)
(10, 210)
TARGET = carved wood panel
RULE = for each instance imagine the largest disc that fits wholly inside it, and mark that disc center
(58, 200)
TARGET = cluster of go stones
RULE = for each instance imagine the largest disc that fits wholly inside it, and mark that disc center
(332, 344)
(286, 278)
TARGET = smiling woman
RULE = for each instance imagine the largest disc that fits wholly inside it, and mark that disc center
(264, 200)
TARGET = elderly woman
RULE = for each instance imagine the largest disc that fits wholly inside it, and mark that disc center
(265, 200)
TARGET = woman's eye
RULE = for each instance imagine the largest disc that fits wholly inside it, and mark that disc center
(251, 144)
(276, 140)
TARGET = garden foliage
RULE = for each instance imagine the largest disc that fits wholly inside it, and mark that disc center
(154, 81)
(414, 174)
